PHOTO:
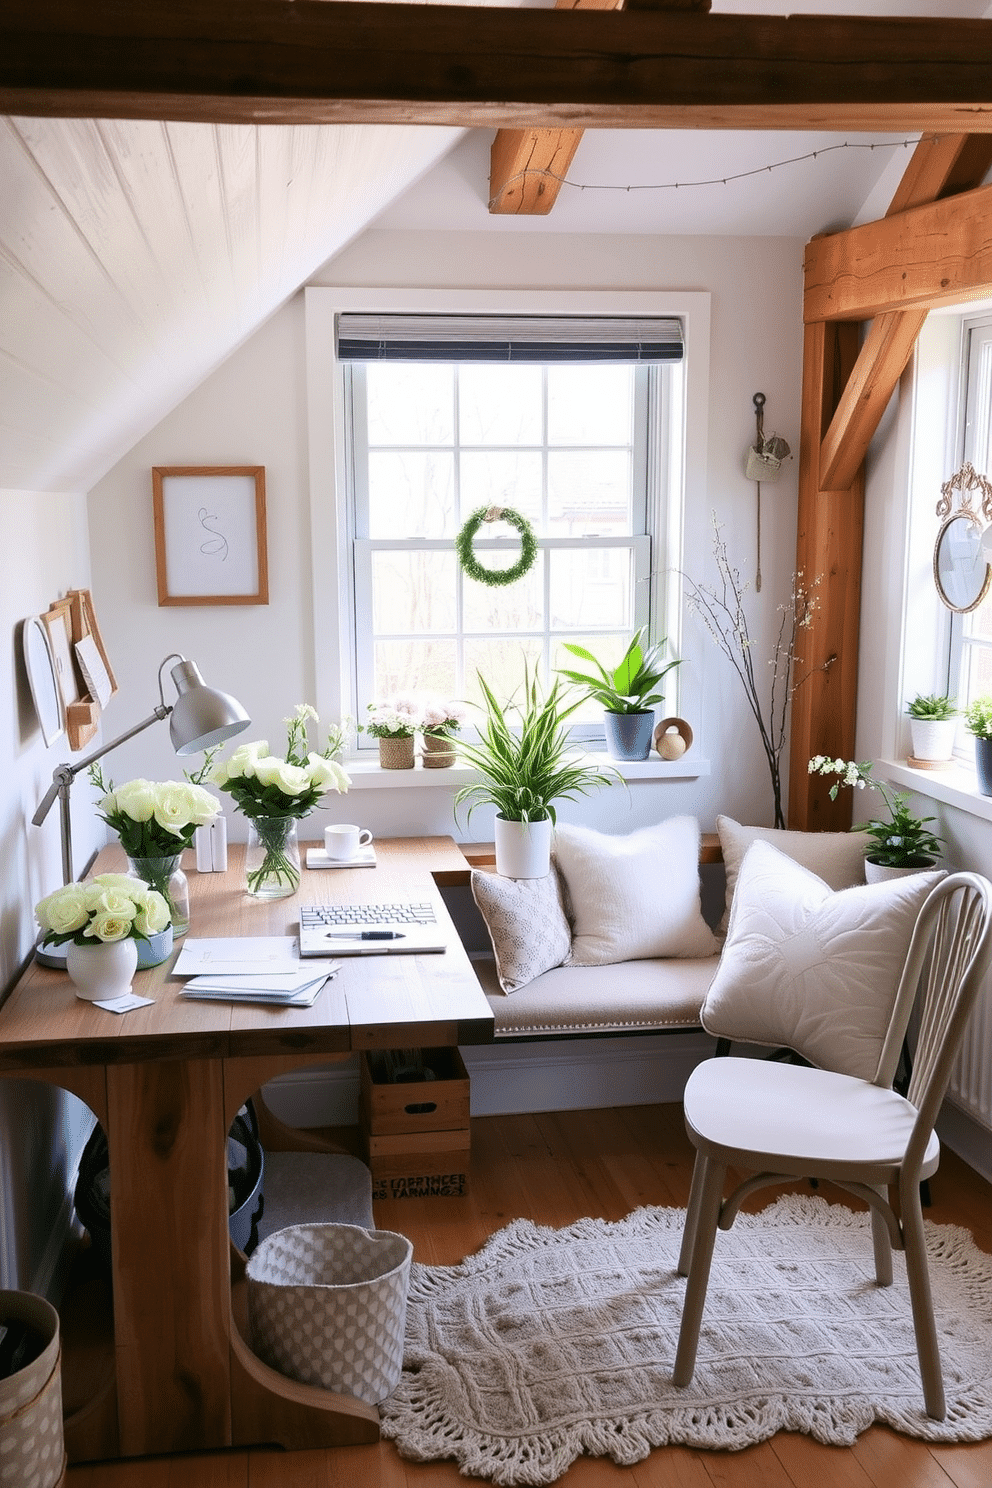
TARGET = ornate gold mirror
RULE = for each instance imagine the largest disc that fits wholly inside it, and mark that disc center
(961, 570)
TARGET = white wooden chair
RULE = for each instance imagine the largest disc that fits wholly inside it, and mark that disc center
(781, 1122)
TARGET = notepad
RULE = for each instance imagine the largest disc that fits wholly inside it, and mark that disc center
(253, 955)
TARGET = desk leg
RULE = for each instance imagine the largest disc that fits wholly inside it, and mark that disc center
(169, 1212)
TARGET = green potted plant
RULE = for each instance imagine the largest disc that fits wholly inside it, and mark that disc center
(627, 693)
(933, 722)
(526, 764)
(978, 721)
(901, 844)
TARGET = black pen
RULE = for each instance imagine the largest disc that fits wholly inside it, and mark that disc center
(365, 935)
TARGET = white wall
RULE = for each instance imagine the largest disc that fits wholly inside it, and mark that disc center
(253, 411)
(45, 547)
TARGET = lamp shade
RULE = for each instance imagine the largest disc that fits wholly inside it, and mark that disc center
(202, 716)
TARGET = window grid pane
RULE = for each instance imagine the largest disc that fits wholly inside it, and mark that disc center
(427, 627)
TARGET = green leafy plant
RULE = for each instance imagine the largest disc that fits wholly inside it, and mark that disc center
(934, 707)
(629, 687)
(524, 756)
(905, 840)
(978, 718)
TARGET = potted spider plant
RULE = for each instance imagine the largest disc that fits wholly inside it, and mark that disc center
(525, 764)
(627, 693)
(933, 722)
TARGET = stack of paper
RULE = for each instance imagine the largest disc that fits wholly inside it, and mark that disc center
(255, 969)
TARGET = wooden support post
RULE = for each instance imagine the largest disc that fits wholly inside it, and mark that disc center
(828, 548)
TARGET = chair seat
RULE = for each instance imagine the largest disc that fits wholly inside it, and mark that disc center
(785, 1118)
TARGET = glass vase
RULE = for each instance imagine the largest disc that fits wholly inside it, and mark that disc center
(165, 875)
(272, 859)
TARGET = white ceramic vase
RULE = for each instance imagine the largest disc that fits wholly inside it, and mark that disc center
(102, 970)
(523, 849)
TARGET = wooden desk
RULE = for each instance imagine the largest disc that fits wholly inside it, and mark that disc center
(166, 1081)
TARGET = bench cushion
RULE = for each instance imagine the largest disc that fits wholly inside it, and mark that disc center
(631, 997)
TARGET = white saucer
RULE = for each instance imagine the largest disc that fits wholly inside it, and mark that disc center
(317, 858)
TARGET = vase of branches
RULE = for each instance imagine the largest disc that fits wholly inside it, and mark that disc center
(721, 609)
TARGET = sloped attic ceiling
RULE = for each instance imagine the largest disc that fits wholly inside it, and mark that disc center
(135, 256)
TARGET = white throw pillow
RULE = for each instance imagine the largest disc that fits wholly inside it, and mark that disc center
(836, 857)
(526, 924)
(809, 968)
(633, 897)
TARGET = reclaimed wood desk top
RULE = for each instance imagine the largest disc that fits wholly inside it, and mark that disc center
(372, 1002)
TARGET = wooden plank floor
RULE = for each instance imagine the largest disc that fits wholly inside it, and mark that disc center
(554, 1169)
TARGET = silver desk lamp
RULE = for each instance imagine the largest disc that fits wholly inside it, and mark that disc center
(201, 717)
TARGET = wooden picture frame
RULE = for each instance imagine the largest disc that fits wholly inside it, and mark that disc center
(57, 620)
(210, 535)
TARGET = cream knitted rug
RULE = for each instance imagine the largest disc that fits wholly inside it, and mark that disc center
(551, 1343)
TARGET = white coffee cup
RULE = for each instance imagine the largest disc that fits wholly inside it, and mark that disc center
(343, 841)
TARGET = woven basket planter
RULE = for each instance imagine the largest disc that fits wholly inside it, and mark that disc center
(396, 754)
(439, 752)
(327, 1306)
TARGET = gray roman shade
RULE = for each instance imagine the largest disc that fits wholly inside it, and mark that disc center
(507, 338)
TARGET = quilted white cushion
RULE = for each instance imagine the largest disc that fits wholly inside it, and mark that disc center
(811, 969)
(836, 857)
(633, 897)
(526, 924)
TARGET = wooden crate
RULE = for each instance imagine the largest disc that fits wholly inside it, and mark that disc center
(416, 1133)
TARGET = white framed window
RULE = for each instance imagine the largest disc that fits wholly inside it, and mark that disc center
(970, 661)
(595, 456)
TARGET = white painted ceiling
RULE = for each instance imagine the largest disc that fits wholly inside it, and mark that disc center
(135, 257)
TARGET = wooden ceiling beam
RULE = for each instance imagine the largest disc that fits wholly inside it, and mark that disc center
(527, 167)
(937, 254)
(940, 166)
(341, 61)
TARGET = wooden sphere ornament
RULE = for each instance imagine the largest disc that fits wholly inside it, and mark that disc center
(672, 738)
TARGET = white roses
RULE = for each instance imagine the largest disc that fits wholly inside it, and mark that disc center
(107, 908)
(267, 785)
(156, 819)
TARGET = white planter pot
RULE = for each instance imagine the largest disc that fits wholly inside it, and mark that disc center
(879, 872)
(933, 738)
(523, 849)
(103, 970)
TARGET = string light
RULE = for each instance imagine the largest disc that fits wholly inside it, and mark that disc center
(758, 170)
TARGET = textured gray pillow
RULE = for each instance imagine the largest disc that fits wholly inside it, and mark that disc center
(836, 857)
(526, 924)
(811, 969)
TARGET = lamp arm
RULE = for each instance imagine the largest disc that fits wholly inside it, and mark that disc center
(65, 774)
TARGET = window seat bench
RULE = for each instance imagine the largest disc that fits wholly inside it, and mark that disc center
(570, 1002)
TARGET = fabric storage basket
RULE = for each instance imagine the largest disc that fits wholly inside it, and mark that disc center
(31, 1446)
(327, 1306)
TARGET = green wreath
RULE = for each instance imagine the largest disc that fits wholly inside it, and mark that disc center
(496, 577)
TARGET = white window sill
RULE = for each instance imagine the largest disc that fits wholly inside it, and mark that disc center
(368, 774)
(955, 786)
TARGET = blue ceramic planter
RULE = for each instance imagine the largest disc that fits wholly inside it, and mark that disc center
(983, 764)
(628, 735)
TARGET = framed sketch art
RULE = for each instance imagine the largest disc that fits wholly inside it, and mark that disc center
(210, 541)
